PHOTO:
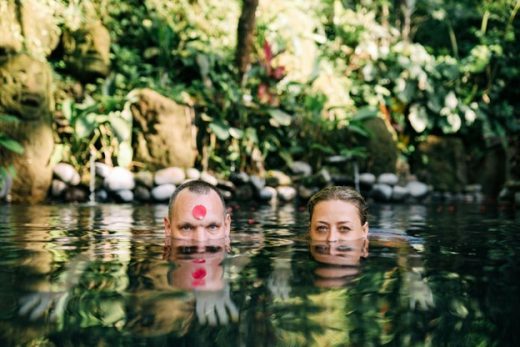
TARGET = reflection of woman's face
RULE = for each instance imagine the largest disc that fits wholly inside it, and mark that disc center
(336, 220)
(197, 266)
(338, 261)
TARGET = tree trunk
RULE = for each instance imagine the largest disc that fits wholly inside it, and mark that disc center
(246, 28)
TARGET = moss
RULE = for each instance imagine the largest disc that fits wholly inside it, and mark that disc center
(381, 147)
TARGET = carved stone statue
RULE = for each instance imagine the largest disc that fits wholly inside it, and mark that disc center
(28, 25)
(86, 51)
(25, 92)
(166, 136)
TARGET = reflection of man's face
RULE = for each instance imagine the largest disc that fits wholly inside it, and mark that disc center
(198, 217)
(197, 265)
(338, 261)
(336, 220)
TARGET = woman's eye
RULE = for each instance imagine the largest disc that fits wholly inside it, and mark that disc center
(321, 229)
(344, 229)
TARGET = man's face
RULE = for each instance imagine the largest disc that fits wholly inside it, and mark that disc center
(197, 265)
(198, 217)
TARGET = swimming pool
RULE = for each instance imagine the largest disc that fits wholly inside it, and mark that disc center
(103, 275)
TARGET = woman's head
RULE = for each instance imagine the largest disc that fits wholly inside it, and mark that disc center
(337, 213)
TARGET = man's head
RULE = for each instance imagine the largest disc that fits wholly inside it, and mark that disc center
(337, 213)
(197, 212)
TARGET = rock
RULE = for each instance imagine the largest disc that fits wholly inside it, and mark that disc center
(207, 177)
(58, 187)
(286, 193)
(75, 194)
(163, 192)
(192, 174)
(267, 194)
(101, 195)
(226, 194)
(119, 179)
(170, 175)
(226, 185)
(388, 179)
(323, 177)
(124, 195)
(399, 194)
(5, 185)
(26, 93)
(337, 159)
(244, 192)
(301, 168)
(144, 178)
(142, 193)
(67, 173)
(473, 188)
(418, 190)
(239, 178)
(367, 180)
(275, 178)
(305, 193)
(102, 169)
(342, 180)
(257, 182)
(381, 192)
(517, 198)
(165, 134)
(381, 147)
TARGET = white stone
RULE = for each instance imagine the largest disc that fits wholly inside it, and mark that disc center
(399, 193)
(381, 192)
(388, 179)
(192, 174)
(125, 195)
(102, 169)
(301, 168)
(58, 187)
(66, 173)
(207, 177)
(417, 189)
(163, 192)
(170, 175)
(119, 179)
(286, 193)
(267, 194)
(367, 179)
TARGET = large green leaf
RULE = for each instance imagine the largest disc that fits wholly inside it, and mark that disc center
(220, 129)
(11, 144)
(9, 118)
(279, 118)
(125, 154)
(365, 113)
(86, 124)
(121, 127)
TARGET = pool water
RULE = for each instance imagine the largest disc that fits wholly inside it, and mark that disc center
(104, 275)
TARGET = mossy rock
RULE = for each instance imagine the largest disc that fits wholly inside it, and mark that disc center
(441, 162)
(381, 147)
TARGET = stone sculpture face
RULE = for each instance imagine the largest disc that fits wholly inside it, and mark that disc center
(25, 86)
(87, 51)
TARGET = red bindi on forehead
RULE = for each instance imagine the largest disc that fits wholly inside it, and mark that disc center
(199, 212)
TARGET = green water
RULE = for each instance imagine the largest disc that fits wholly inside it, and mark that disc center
(102, 276)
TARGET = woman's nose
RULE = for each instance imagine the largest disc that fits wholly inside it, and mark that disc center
(332, 236)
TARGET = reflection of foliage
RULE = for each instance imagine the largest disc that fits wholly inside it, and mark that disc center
(9, 144)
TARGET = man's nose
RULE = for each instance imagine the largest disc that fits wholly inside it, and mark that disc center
(200, 234)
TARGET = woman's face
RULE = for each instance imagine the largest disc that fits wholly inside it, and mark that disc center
(336, 220)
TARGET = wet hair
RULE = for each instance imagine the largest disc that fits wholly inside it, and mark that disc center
(198, 187)
(342, 193)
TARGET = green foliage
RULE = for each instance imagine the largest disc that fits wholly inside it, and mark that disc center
(9, 144)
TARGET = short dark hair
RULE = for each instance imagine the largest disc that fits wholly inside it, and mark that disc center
(198, 187)
(342, 193)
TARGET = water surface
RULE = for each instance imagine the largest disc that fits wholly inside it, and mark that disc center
(79, 275)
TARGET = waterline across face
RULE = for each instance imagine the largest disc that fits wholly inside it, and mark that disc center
(336, 220)
(198, 217)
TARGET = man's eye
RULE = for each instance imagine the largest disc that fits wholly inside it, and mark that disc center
(213, 227)
(186, 227)
(344, 229)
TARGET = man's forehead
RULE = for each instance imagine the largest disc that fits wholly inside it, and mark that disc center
(198, 203)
